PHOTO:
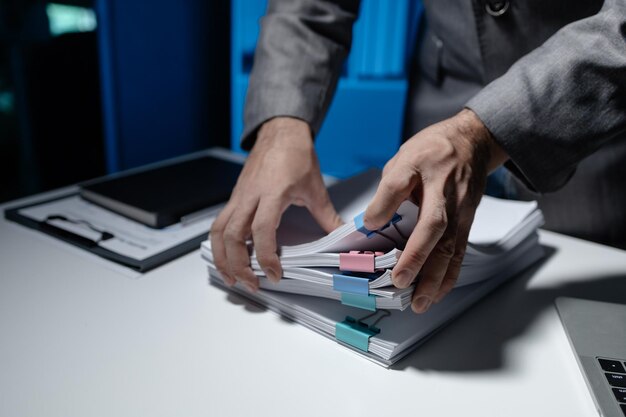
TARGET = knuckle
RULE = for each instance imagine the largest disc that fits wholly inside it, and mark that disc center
(222, 217)
(266, 259)
(256, 230)
(397, 183)
(233, 233)
(239, 269)
(258, 227)
(217, 227)
(447, 149)
(446, 249)
(415, 259)
(457, 259)
(438, 221)
(239, 265)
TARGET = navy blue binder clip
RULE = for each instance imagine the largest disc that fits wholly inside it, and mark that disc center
(358, 222)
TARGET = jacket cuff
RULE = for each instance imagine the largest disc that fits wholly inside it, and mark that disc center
(532, 158)
(268, 103)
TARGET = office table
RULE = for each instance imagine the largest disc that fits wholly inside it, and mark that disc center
(79, 338)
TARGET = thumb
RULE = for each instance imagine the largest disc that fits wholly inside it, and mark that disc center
(393, 189)
(324, 212)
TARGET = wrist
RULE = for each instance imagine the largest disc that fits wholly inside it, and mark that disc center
(285, 131)
(480, 138)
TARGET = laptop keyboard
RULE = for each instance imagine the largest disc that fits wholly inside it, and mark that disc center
(615, 374)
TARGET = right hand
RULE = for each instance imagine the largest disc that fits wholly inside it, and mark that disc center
(282, 169)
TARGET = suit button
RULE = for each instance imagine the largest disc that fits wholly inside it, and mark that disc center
(497, 8)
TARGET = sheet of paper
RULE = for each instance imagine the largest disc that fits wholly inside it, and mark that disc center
(349, 197)
(496, 218)
(131, 238)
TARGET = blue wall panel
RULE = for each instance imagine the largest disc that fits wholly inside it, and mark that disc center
(157, 70)
(363, 127)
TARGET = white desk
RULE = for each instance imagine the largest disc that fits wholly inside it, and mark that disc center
(79, 339)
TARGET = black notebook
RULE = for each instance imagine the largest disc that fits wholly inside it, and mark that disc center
(168, 194)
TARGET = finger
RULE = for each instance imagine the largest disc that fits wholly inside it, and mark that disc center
(217, 243)
(235, 235)
(393, 189)
(266, 221)
(389, 165)
(434, 271)
(323, 211)
(454, 268)
(431, 224)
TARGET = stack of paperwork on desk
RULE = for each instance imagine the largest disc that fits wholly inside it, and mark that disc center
(340, 285)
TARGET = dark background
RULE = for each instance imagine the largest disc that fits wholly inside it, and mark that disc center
(129, 82)
(150, 81)
(92, 87)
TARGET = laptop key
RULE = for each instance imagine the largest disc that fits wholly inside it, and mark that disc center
(623, 408)
(620, 394)
(616, 380)
(611, 366)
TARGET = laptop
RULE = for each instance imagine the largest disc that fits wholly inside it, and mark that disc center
(597, 333)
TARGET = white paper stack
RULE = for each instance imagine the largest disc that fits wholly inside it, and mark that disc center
(502, 232)
(315, 292)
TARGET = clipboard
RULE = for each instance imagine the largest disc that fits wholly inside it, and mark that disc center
(98, 247)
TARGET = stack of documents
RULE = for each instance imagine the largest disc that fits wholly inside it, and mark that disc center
(339, 284)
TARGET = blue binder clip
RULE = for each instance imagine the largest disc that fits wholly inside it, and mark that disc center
(366, 302)
(351, 284)
(357, 333)
(358, 222)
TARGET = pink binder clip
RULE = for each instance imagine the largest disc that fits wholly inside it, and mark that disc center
(357, 261)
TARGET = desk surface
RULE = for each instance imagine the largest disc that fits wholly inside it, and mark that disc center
(81, 339)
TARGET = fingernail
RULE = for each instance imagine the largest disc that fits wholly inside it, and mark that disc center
(272, 275)
(250, 287)
(421, 304)
(403, 279)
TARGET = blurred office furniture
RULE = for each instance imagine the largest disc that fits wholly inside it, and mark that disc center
(364, 124)
(164, 73)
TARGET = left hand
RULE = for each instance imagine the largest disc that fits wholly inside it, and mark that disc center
(443, 168)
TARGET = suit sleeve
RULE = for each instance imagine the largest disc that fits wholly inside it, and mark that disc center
(297, 62)
(562, 101)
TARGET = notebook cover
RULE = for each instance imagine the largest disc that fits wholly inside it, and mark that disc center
(163, 195)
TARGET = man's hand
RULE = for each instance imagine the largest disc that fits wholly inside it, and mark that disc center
(443, 168)
(282, 169)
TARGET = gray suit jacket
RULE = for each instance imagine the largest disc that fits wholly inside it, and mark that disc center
(548, 78)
